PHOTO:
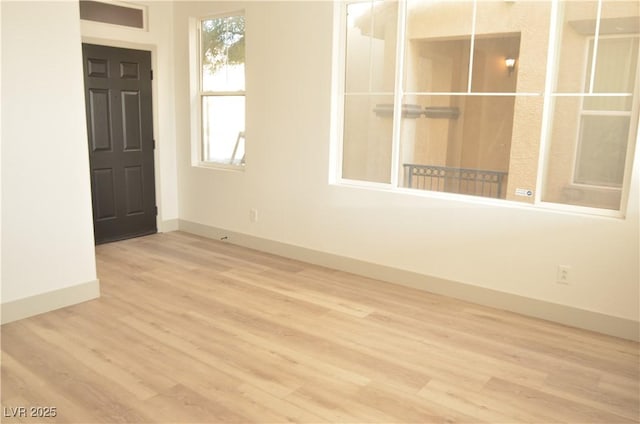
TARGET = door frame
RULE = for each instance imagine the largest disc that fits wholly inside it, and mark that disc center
(154, 106)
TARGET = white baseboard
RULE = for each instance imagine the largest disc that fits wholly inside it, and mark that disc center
(168, 226)
(49, 301)
(563, 314)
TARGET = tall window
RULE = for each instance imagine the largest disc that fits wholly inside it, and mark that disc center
(222, 89)
(460, 97)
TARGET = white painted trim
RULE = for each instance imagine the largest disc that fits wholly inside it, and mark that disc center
(479, 200)
(338, 50)
(596, 42)
(220, 166)
(195, 106)
(568, 94)
(401, 33)
(168, 226)
(472, 93)
(472, 47)
(562, 314)
(49, 301)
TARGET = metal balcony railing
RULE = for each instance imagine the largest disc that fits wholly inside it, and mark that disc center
(477, 182)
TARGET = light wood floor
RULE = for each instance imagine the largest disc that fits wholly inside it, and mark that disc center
(193, 330)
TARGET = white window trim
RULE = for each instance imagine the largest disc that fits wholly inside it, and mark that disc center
(548, 94)
(197, 94)
(337, 94)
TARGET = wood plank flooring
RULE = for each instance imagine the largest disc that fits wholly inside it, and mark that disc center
(191, 330)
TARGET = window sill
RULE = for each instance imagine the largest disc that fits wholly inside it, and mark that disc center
(219, 166)
(594, 187)
(463, 199)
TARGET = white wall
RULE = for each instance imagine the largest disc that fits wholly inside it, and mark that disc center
(510, 248)
(47, 231)
(158, 38)
(0, 155)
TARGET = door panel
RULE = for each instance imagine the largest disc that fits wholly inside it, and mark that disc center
(99, 120)
(135, 190)
(104, 200)
(120, 123)
(97, 68)
(131, 120)
(129, 70)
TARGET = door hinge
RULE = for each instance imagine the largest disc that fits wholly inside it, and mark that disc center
(155, 210)
(152, 75)
(154, 143)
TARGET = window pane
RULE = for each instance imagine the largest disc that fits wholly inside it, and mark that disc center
(458, 144)
(368, 126)
(223, 120)
(617, 56)
(615, 73)
(615, 65)
(614, 56)
(490, 71)
(222, 50)
(620, 17)
(578, 24)
(602, 150)
(437, 65)
(371, 46)
(587, 153)
(510, 30)
(438, 38)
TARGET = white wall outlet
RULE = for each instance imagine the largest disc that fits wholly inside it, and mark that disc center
(253, 215)
(564, 275)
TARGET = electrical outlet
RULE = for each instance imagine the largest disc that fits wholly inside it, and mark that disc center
(564, 275)
(253, 215)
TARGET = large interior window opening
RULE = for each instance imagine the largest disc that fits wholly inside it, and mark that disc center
(471, 97)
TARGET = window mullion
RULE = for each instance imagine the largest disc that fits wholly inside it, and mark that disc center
(199, 53)
(204, 147)
(596, 39)
(398, 94)
(472, 45)
(223, 93)
(371, 31)
(548, 101)
(589, 112)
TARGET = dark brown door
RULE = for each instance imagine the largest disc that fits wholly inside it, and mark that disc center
(120, 128)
